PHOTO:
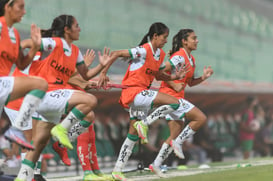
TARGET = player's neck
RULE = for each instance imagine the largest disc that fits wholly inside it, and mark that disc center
(188, 52)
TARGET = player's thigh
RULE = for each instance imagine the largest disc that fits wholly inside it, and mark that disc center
(163, 99)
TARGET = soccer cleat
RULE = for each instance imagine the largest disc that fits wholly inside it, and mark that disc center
(17, 136)
(17, 179)
(38, 177)
(118, 176)
(145, 141)
(142, 131)
(177, 149)
(62, 152)
(157, 171)
(60, 133)
(92, 176)
(106, 177)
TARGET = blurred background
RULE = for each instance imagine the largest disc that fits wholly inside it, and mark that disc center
(235, 38)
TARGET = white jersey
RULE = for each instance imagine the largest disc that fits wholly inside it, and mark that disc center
(138, 57)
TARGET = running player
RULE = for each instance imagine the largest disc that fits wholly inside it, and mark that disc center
(57, 68)
(184, 42)
(11, 88)
(86, 147)
(146, 63)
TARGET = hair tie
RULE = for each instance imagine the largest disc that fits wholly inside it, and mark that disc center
(148, 38)
(66, 20)
(10, 1)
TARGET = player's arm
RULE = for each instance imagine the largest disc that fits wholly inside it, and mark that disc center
(34, 44)
(180, 73)
(178, 87)
(103, 78)
(87, 73)
(207, 72)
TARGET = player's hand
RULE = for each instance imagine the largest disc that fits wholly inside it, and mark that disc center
(182, 70)
(89, 57)
(207, 72)
(103, 79)
(36, 37)
(105, 57)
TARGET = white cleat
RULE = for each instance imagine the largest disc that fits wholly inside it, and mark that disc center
(157, 171)
(177, 148)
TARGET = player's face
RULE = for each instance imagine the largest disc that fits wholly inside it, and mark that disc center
(161, 40)
(74, 32)
(16, 11)
(191, 42)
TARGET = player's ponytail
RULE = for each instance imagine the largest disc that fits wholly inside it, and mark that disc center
(156, 28)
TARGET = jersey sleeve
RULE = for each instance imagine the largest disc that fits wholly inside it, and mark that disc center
(176, 60)
(80, 59)
(138, 53)
(48, 44)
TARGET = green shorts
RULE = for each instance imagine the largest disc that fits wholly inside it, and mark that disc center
(247, 145)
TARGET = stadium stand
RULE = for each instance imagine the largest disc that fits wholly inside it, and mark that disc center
(236, 42)
(226, 31)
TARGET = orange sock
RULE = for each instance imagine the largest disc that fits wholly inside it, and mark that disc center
(83, 151)
(94, 160)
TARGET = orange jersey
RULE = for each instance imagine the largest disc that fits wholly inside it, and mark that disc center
(177, 59)
(16, 104)
(9, 51)
(141, 72)
(74, 87)
(57, 68)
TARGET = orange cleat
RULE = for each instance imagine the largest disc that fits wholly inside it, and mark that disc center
(62, 152)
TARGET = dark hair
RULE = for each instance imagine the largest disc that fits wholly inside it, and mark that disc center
(2, 6)
(58, 25)
(158, 28)
(177, 39)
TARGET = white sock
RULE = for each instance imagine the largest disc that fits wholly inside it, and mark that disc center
(184, 135)
(163, 153)
(23, 155)
(37, 169)
(124, 154)
(160, 112)
(75, 131)
(25, 173)
(27, 108)
(70, 120)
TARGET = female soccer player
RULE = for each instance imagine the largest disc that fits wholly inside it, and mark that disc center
(57, 68)
(11, 88)
(86, 147)
(145, 65)
(184, 42)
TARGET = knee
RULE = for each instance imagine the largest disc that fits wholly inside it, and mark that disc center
(91, 101)
(203, 118)
(41, 83)
(90, 117)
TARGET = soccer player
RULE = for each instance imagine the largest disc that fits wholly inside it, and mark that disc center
(86, 148)
(11, 88)
(145, 64)
(184, 42)
(57, 68)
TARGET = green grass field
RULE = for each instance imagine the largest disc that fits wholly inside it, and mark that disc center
(255, 173)
(259, 169)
